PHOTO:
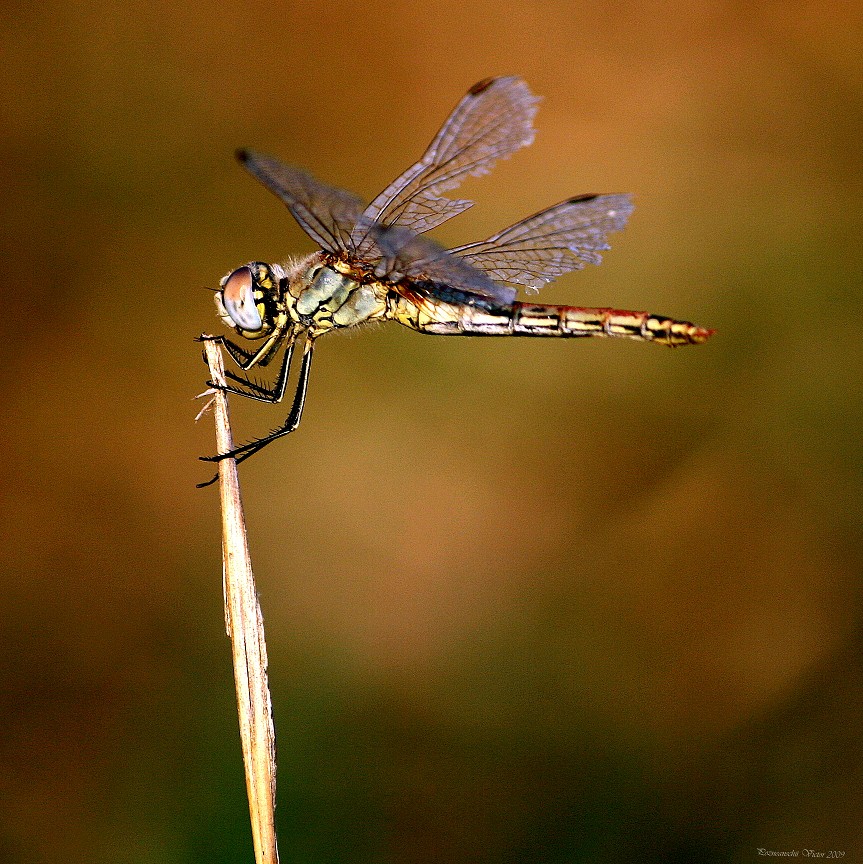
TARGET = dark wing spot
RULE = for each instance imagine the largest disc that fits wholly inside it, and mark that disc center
(480, 86)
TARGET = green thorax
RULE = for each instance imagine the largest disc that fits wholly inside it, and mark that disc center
(324, 298)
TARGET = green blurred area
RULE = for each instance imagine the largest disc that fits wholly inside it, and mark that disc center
(525, 601)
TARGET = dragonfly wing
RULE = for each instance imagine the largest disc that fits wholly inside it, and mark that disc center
(422, 260)
(550, 243)
(327, 214)
(491, 122)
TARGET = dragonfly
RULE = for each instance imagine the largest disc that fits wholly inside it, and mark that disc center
(376, 264)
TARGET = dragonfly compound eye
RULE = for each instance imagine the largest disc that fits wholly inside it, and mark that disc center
(238, 297)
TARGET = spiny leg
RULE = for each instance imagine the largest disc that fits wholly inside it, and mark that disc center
(243, 452)
(239, 355)
(257, 391)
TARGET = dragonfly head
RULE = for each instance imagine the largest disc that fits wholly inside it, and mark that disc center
(246, 300)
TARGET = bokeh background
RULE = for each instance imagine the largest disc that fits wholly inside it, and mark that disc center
(526, 601)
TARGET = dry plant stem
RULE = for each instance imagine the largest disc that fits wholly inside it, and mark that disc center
(245, 626)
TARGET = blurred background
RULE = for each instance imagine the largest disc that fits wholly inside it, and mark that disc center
(526, 601)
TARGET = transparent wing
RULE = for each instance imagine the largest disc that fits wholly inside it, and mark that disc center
(404, 253)
(327, 214)
(550, 243)
(491, 122)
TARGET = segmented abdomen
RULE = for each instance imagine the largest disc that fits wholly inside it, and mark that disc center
(531, 319)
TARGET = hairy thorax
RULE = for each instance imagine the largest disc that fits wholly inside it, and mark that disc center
(326, 294)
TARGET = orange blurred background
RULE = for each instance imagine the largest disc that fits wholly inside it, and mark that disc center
(526, 601)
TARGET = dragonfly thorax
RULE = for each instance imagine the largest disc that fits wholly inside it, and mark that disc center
(325, 295)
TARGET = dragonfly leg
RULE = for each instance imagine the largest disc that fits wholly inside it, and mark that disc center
(257, 391)
(244, 451)
(239, 355)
